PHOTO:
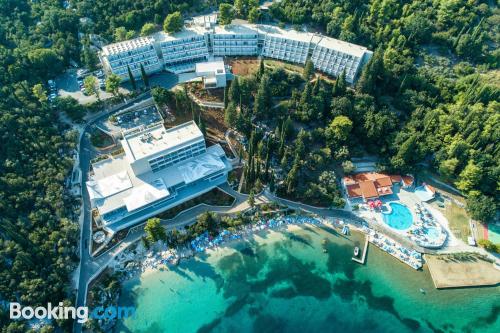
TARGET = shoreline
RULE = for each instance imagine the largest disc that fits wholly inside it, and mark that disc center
(162, 259)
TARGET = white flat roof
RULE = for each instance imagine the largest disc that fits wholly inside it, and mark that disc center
(345, 47)
(150, 187)
(186, 32)
(236, 29)
(127, 45)
(145, 194)
(301, 36)
(108, 186)
(140, 143)
(216, 67)
(200, 167)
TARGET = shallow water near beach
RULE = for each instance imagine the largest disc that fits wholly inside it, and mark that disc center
(285, 282)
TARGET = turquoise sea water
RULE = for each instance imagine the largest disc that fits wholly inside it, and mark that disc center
(284, 282)
(399, 218)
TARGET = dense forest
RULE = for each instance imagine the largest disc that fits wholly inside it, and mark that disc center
(38, 224)
(430, 94)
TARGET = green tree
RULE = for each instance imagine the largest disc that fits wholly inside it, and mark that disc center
(262, 98)
(131, 78)
(470, 177)
(144, 77)
(162, 97)
(173, 22)
(45, 62)
(40, 93)
(89, 57)
(148, 29)
(339, 129)
(447, 167)
(240, 7)
(226, 14)
(262, 69)
(251, 199)
(254, 15)
(71, 107)
(234, 91)
(481, 207)
(340, 87)
(372, 74)
(231, 115)
(348, 167)
(308, 70)
(120, 34)
(489, 245)
(91, 86)
(113, 84)
(154, 230)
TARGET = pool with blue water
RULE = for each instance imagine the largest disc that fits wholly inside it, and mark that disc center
(399, 217)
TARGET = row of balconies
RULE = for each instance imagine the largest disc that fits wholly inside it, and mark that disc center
(149, 68)
(146, 55)
(198, 50)
(183, 41)
(275, 40)
(185, 57)
(235, 43)
(183, 47)
(130, 53)
(137, 61)
(232, 37)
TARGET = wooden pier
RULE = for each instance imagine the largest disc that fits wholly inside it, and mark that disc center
(363, 257)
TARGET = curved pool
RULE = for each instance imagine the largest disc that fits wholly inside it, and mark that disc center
(399, 217)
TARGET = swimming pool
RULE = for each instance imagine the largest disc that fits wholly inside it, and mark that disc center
(399, 217)
(432, 233)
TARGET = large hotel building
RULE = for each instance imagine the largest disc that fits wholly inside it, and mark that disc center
(159, 169)
(202, 40)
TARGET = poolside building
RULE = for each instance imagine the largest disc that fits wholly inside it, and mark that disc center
(118, 57)
(370, 185)
(202, 39)
(159, 169)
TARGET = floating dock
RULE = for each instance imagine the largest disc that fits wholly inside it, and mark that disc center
(363, 256)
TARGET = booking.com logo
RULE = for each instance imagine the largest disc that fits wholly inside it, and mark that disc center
(81, 313)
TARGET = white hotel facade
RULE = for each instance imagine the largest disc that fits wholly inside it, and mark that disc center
(202, 41)
(159, 169)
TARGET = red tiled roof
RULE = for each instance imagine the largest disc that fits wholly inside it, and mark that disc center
(383, 181)
(368, 189)
(370, 184)
(396, 178)
(408, 180)
(354, 191)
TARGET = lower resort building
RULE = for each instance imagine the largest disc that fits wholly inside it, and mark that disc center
(372, 185)
(159, 169)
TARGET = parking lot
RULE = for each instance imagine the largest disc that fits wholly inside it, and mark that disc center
(131, 119)
(68, 85)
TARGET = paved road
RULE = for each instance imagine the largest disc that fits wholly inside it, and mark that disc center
(87, 266)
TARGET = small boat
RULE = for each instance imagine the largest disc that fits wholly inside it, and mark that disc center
(422, 291)
(356, 251)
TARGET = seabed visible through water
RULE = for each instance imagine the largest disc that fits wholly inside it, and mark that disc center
(285, 282)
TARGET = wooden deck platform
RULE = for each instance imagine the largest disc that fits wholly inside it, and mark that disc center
(365, 249)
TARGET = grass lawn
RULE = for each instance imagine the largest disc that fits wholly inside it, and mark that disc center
(458, 219)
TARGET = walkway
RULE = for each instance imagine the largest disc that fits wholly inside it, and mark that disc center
(213, 105)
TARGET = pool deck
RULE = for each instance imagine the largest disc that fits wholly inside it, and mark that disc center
(452, 273)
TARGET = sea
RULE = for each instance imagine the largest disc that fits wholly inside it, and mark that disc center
(302, 280)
